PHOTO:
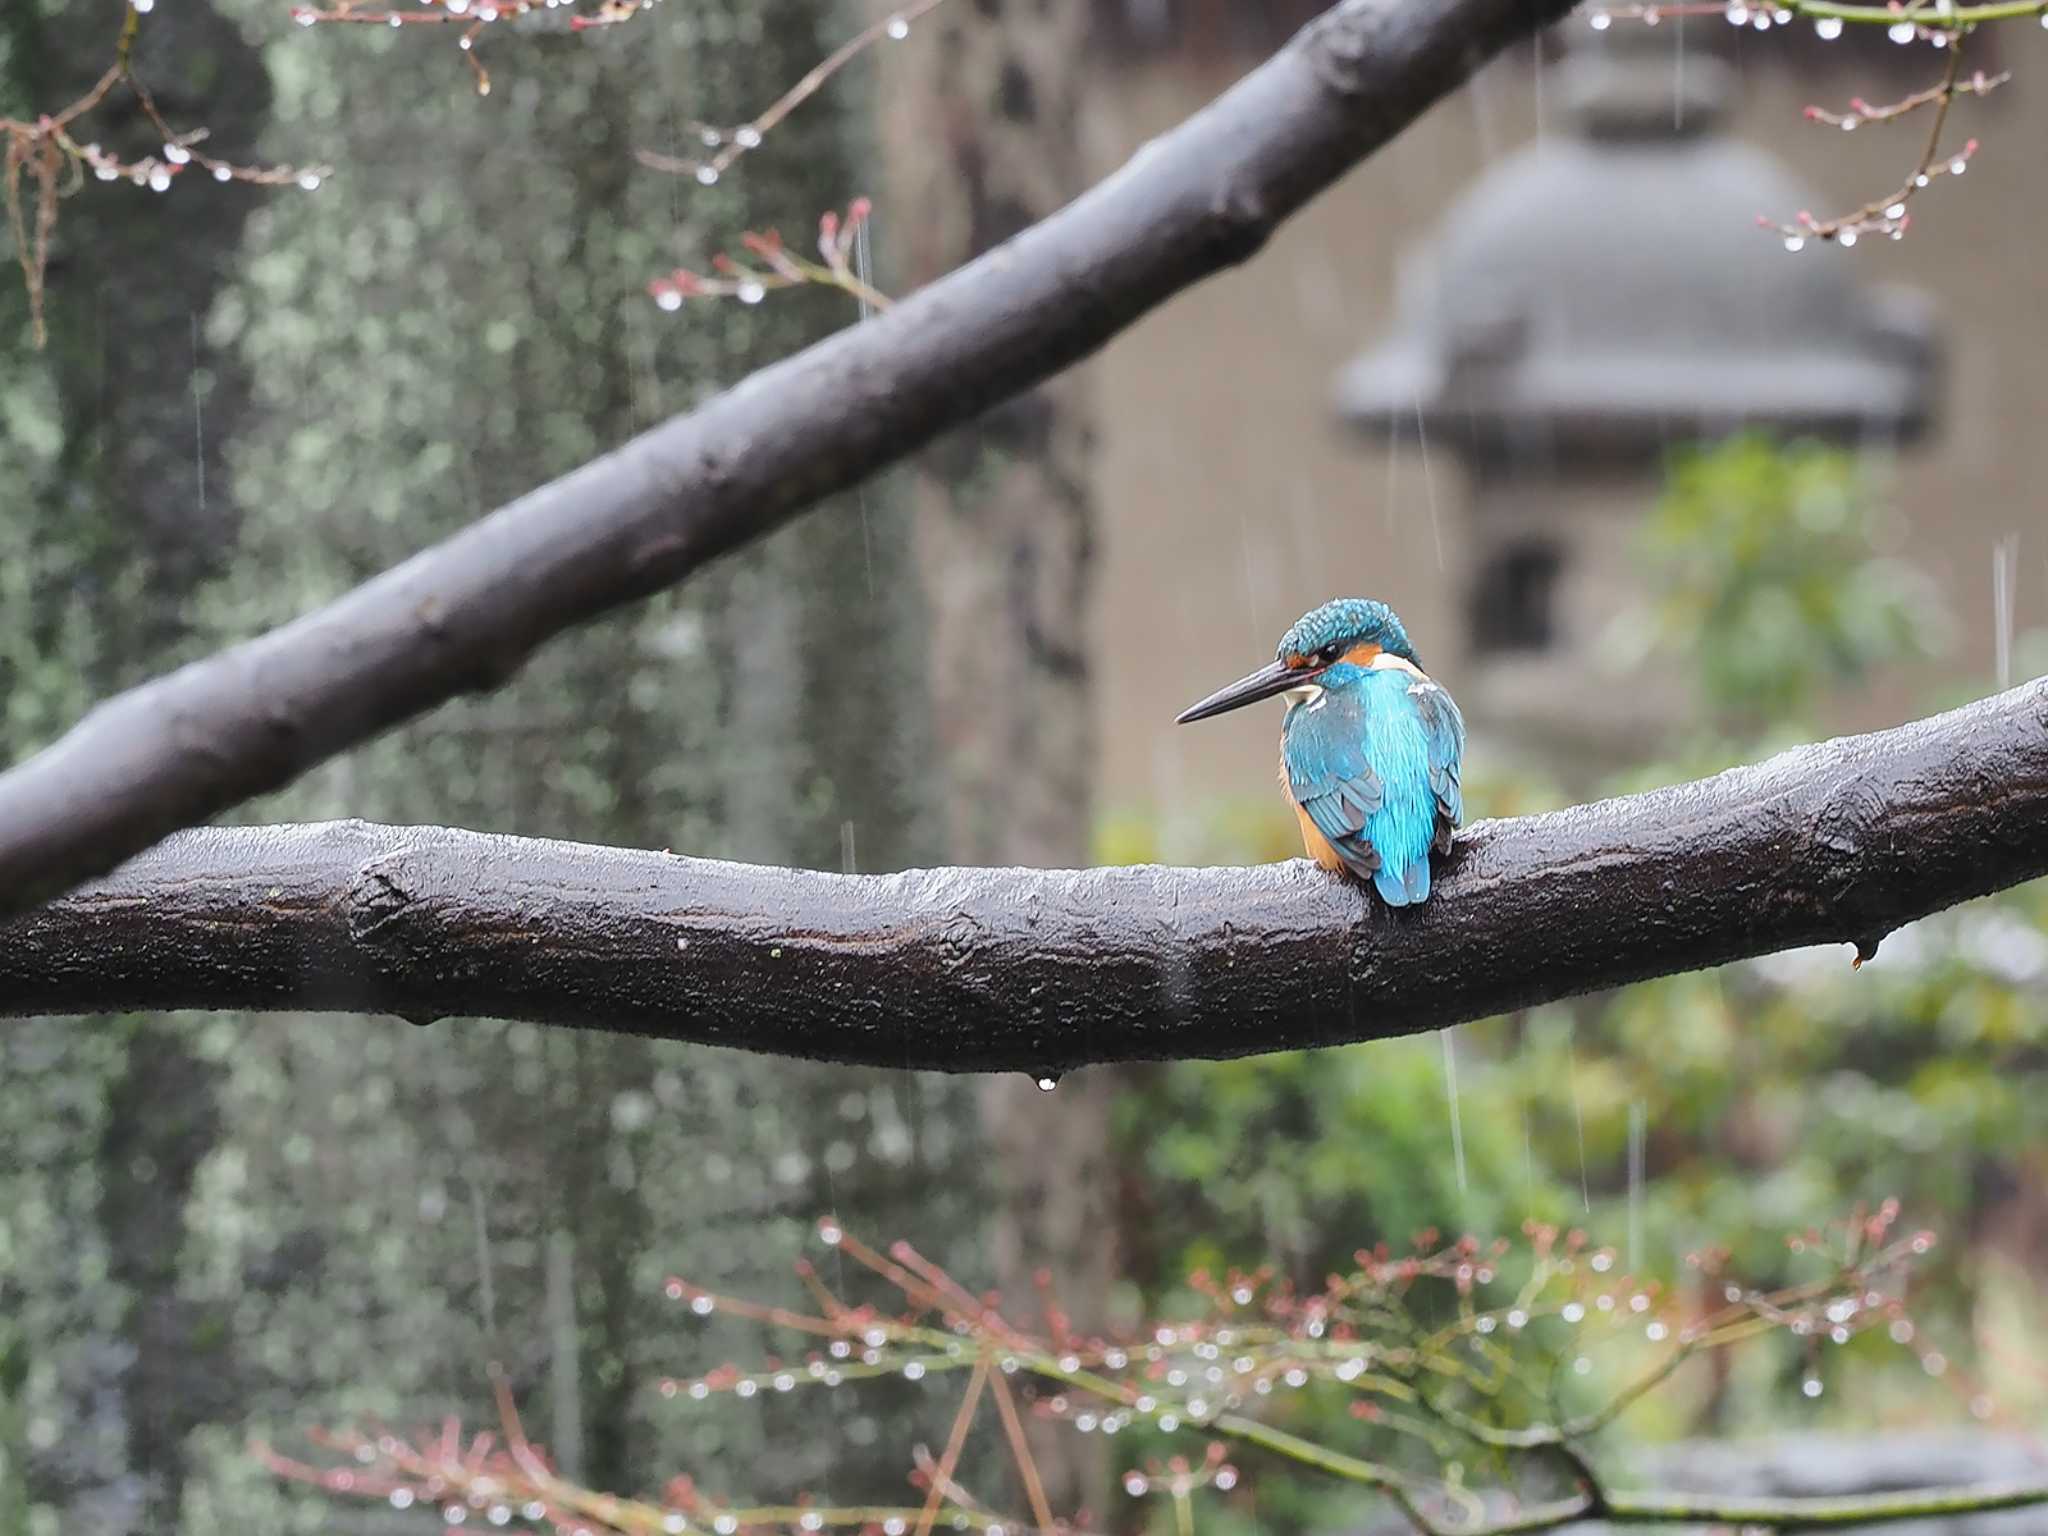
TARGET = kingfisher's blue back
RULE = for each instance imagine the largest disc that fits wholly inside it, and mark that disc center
(1372, 756)
(1371, 749)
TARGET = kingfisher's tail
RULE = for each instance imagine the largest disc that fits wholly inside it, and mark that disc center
(1403, 887)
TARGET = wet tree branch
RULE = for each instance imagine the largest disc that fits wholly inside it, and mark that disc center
(464, 614)
(1042, 970)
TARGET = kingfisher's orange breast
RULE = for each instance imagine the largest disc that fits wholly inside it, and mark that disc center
(1318, 846)
(1312, 840)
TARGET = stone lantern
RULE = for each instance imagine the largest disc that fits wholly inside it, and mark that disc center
(1591, 302)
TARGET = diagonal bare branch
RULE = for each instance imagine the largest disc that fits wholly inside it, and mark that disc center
(463, 615)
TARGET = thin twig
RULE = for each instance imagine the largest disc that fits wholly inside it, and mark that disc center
(55, 160)
(729, 143)
(1020, 1449)
(1887, 215)
(943, 1476)
(1741, 12)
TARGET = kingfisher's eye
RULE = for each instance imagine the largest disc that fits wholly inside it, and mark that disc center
(1329, 653)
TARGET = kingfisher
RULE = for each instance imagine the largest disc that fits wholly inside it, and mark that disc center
(1371, 747)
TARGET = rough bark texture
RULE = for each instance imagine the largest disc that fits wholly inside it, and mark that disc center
(464, 614)
(1005, 533)
(1041, 970)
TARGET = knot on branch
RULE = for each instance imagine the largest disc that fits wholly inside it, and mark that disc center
(961, 939)
(375, 899)
(1345, 44)
(1853, 809)
(1853, 833)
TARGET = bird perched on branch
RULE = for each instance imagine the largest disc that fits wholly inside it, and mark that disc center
(1370, 748)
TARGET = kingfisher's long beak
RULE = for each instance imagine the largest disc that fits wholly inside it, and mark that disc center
(1275, 677)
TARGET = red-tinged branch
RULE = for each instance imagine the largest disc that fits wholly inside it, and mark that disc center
(1860, 111)
(473, 17)
(727, 143)
(1887, 215)
(1922, 19)
(47, 153)
(1935, 22)
(1037, 970)
(465, 614)
(1210, 1378)
(779, 268)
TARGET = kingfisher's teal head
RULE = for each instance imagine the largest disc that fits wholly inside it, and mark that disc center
(1341, 626)
(1347, 631)
(1371, 749)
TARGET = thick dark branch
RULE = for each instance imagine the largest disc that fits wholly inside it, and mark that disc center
(1040, 970)
(464, 614)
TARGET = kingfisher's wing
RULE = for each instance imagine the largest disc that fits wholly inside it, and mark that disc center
(1323, 751)
(1444, 731)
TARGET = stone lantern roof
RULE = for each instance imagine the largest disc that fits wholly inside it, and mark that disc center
(1606, 291)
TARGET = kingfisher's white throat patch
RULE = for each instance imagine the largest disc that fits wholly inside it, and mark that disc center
(1307, 696)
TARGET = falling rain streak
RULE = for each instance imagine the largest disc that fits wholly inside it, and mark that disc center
(1637, 1129)
(863, 268)
(1451, 1093)
(1571, 1072)
(198, 421)
(1436, 527)
(2004, 566)
(1528, 1152)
